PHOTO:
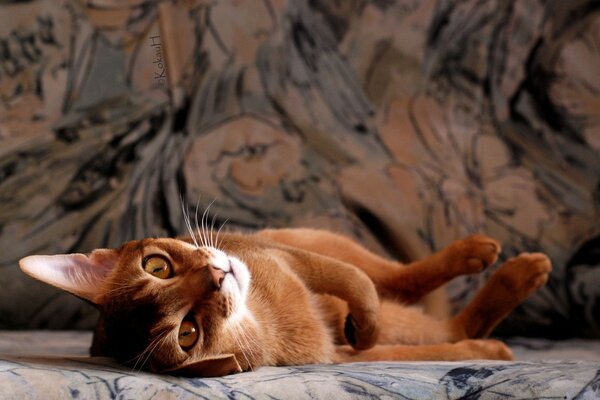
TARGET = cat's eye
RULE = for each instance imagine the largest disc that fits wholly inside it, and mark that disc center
(158, 266)
(188, 334)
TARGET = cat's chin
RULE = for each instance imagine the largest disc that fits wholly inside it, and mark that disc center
(237, 283)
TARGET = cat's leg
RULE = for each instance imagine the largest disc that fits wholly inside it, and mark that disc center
(463, 350)
(466, 256)
(506, 289)
(326, 275)
(405, 283)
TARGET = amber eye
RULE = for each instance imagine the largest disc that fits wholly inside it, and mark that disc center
(188, 334)
(158, 266)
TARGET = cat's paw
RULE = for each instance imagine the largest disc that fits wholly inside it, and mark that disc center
(472, 254)
(485, 349)
(362, 333)
(524, 274)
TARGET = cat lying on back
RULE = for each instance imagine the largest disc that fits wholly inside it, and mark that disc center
(283, 297)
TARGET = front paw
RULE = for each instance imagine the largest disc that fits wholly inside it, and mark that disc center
(362, 333)
(472, 254)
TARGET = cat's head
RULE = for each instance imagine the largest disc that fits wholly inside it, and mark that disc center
(166, 305)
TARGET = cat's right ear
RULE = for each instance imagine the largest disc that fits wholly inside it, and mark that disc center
(79, 274)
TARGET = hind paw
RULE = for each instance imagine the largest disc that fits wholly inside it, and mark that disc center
(524, 274)
(472, 254)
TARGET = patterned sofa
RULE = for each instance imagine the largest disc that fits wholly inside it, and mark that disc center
(42, 365)
(405, 124)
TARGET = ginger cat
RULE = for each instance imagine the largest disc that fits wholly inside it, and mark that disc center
(236, 302)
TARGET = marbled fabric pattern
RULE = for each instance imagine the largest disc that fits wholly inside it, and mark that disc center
(404, 123)
(24, 378)
(48, 375)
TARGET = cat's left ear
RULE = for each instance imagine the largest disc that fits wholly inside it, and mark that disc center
(209, 367)
(79, 274)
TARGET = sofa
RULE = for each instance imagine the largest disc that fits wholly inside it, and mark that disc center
(45, 365)
(404, 124)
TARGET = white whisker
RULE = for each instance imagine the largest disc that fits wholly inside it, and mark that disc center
(219, 231)
(204, 221)
(203, 227)
(200, 232)
(239, 344)
(250, 340)
(237, 337)
(157, 346)
(186, 219)
(212, 227)
(145, 355)
(250, 344)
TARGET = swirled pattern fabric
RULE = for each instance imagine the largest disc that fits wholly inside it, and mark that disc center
(569, 370)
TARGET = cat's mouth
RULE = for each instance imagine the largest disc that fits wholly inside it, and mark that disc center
(237, 277)
(232, 271)
(239, 272)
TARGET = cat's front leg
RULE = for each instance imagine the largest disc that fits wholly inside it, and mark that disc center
(326, 275)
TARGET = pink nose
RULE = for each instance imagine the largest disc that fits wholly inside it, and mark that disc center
(217, 275)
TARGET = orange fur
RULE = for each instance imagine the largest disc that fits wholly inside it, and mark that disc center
(407, 333)
(314, 297)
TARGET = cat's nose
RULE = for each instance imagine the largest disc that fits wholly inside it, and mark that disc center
(217, 275)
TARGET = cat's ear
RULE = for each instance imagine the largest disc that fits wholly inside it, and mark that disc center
(80, 274)
(209, 367)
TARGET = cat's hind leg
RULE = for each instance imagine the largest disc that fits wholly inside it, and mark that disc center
(506, 289)
(462, 257)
